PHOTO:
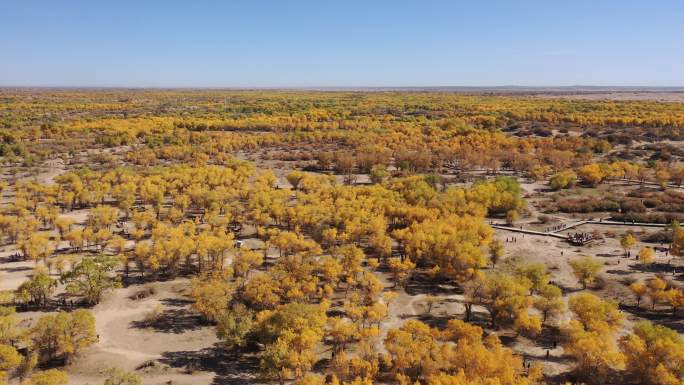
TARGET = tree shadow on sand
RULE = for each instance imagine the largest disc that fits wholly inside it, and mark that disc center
(439, 321)
(16, 269)
(618, 272)
(176, 302)
(659, 317)
(653, 268)
(422, 283)
(229, 369)
(176, 321)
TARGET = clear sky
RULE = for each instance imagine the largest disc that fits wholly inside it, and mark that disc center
(282, 43)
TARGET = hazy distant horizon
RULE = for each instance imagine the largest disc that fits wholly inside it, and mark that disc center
(495, 88)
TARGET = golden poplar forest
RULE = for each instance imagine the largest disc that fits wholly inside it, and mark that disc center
(339, 237)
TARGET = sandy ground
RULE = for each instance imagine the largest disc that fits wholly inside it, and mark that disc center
(673, 97)
(126, 341)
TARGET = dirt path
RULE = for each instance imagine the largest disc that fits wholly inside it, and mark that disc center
(127, 342)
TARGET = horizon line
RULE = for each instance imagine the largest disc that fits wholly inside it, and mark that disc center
(577, 87)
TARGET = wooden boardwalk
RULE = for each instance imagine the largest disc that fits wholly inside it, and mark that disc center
(616, 223)
(557, 233)
(532, 232)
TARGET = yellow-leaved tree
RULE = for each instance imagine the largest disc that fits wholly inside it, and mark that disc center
(590, 337)
(654, 354)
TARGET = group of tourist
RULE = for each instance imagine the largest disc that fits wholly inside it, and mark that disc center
(580, 238)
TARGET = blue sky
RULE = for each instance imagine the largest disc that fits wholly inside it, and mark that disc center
(281, 43)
